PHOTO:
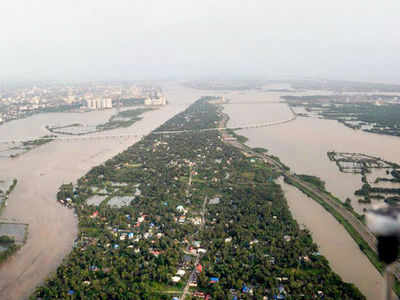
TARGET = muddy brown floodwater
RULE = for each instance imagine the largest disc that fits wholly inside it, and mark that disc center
(302, 145)
(52, 227)
(344, 255)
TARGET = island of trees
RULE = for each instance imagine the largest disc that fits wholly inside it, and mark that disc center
(185, 214)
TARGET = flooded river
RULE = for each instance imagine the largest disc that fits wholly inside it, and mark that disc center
(52, 227)
(344, 255)
(302, 145)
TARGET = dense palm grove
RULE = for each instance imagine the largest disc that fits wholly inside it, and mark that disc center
(197, 202)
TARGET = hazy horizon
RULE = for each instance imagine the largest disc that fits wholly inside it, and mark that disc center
(133, 40)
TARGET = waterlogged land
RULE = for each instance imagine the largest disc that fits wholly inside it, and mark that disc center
(335, 243)
(203, 210)
(122, 119)
(303, 145)
(47, 167)
(371, 113)
(12, 236)
(357, 163)
(52, 228)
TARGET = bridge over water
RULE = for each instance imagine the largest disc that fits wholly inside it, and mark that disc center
(67, 138)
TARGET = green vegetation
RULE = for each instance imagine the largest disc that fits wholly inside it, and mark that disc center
(316, 181)
(8, 252)
(12, 186)
(7, 247)
(344, 86)
(60, 108)
(368, 193)
(384, 119)
(4, 194)
(347, 204)
(132, 101)
(26, 146)
(5, 239)
(259, 150)
(7, 243)
(52, 108)
(194, 197)
(240, 138)
(123, 119)
(320, 184)
(353, 233)
(364, 247)
(360, 113)
(364, 164)
(38, 142)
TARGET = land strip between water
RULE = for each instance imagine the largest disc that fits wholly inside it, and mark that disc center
(251, 244)
(360, 233)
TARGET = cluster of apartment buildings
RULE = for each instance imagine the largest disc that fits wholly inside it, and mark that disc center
(159, 100)
(23, 100)
(99, 103)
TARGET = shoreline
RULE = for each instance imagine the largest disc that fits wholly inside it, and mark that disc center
(53, 228)
(61, 288)
(367, 247)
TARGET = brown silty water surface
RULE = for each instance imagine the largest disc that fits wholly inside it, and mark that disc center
(40, 172)
(302, 145)
(344, 255)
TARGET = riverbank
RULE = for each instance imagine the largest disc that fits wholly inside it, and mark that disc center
(12, 236)
(247, 218)
(355, 229)
(52, 227)
(335, 243)
(123, 119)
(288, 142)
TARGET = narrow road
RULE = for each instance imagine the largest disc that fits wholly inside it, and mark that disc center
(193, 273)
(190, 181)
(358, 226)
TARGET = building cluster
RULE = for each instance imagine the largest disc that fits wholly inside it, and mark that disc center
(217, 100)
(99, 103)
(155, 98)
(21, 101)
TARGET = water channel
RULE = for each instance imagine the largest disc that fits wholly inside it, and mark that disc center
(52, 227)
(302, 145)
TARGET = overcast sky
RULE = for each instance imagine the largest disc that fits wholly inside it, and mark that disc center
(96, 39)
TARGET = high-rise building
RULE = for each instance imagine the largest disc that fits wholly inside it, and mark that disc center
(158, 100)
(99, 103)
